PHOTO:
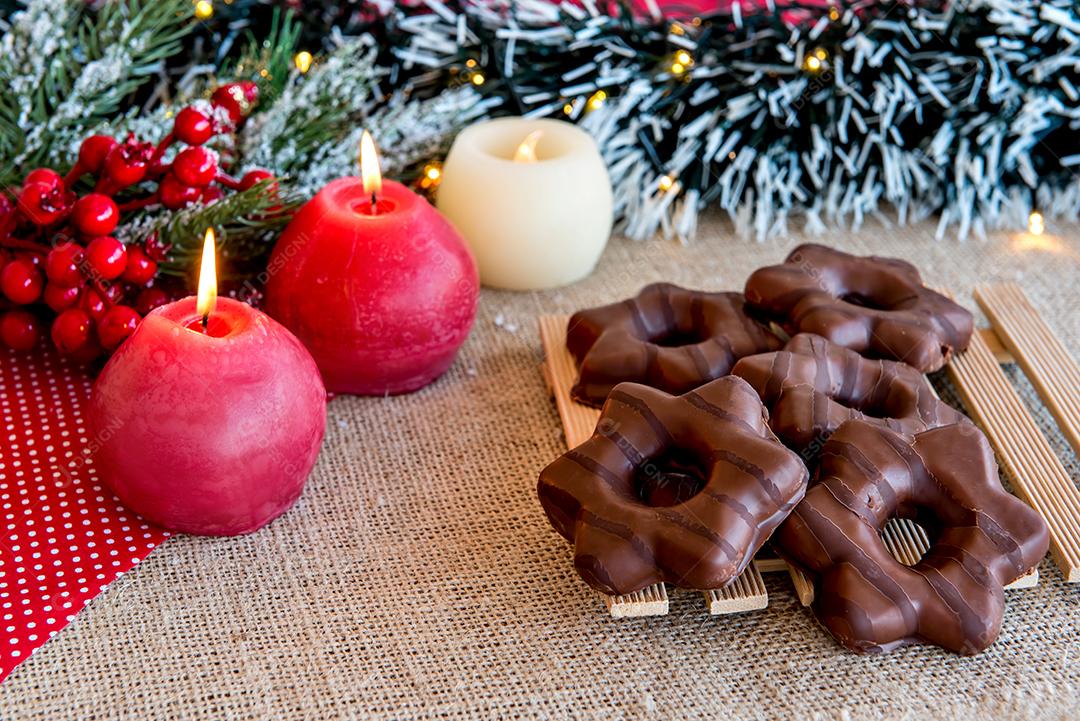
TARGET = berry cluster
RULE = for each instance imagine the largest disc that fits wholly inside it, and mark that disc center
(58, 249)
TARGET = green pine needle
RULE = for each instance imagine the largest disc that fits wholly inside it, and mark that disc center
(100, 59)
(246, 224)
(268, 61)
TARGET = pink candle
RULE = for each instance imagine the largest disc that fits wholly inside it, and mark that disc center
(208, 430)
(382, 293)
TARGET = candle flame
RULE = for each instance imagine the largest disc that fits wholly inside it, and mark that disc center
(207, 297)
(1036, 224)
(526, 152)
(369, 166)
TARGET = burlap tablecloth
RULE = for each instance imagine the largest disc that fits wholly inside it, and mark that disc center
(417, 577)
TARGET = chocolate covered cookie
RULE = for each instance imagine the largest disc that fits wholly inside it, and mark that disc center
(983, 538)
(666, 337)
(812, 386)
(682, 489)
(876, 306)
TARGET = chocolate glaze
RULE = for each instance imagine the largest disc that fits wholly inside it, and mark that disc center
(718, 479)
(983, 538)
(812, 386)
(876, 306)
(666, 337)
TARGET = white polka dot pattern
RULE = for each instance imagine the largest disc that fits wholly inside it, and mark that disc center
(65, 538)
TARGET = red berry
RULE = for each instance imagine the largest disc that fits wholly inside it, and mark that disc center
(114, 293)
(44, 204)
(140, 267)
(117, 325)
(211, 194)
(149, 299)
(49, 177)
(93, 303)
(21, 281)
(195, 166)
(95, 214)
(71, 330)
(62, 264)
(128, 162)
(91, 350)
(19, 329)
(238, 99)
(252, 177)
(59, 297)
(92, 152)
(174, 194)
(155, 248)
(193, 126)
(106, 257)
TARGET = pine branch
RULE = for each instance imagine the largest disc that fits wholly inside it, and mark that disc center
(269, 60)
(314, 110)
(409, 133)
(246, 222)
(39, 36)
(66, 68)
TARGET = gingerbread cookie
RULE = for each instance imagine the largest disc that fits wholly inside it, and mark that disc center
(708, 453)
(876, 306)
(666, 337)
(812, 386)
(983, 538)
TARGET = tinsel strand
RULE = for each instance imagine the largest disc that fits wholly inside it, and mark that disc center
(831, 115)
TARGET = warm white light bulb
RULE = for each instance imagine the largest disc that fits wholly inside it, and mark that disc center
(526, 152)
(1036, 223)
(303, 61)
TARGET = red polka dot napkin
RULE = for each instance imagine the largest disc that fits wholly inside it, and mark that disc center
(65, 537)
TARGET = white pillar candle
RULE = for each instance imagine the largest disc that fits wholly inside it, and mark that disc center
(532, 199)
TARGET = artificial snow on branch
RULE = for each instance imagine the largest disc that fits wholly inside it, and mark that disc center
(311, 133)
(64, 72)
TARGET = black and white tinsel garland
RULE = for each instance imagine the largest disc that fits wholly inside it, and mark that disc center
(893, 110)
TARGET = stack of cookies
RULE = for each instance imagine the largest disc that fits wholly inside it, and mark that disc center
(798, 412)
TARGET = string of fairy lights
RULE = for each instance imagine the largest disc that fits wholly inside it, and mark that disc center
(204, 10)
(832, 116)
(909, 108)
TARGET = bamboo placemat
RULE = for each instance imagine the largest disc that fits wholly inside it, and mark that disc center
(904, 539)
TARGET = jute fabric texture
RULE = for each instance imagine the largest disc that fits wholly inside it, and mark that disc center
(418, 578)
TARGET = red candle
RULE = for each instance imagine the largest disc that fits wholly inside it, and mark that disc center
(380, 288)
(209, 417)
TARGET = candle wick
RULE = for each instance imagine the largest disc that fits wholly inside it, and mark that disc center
(373, 201)
(205, 320)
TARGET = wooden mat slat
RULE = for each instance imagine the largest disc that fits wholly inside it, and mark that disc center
(745, 593)
(1048, 365)
(578, 421)
(1036, 473)
(993, 342)
(770, 565)
(653, 601)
